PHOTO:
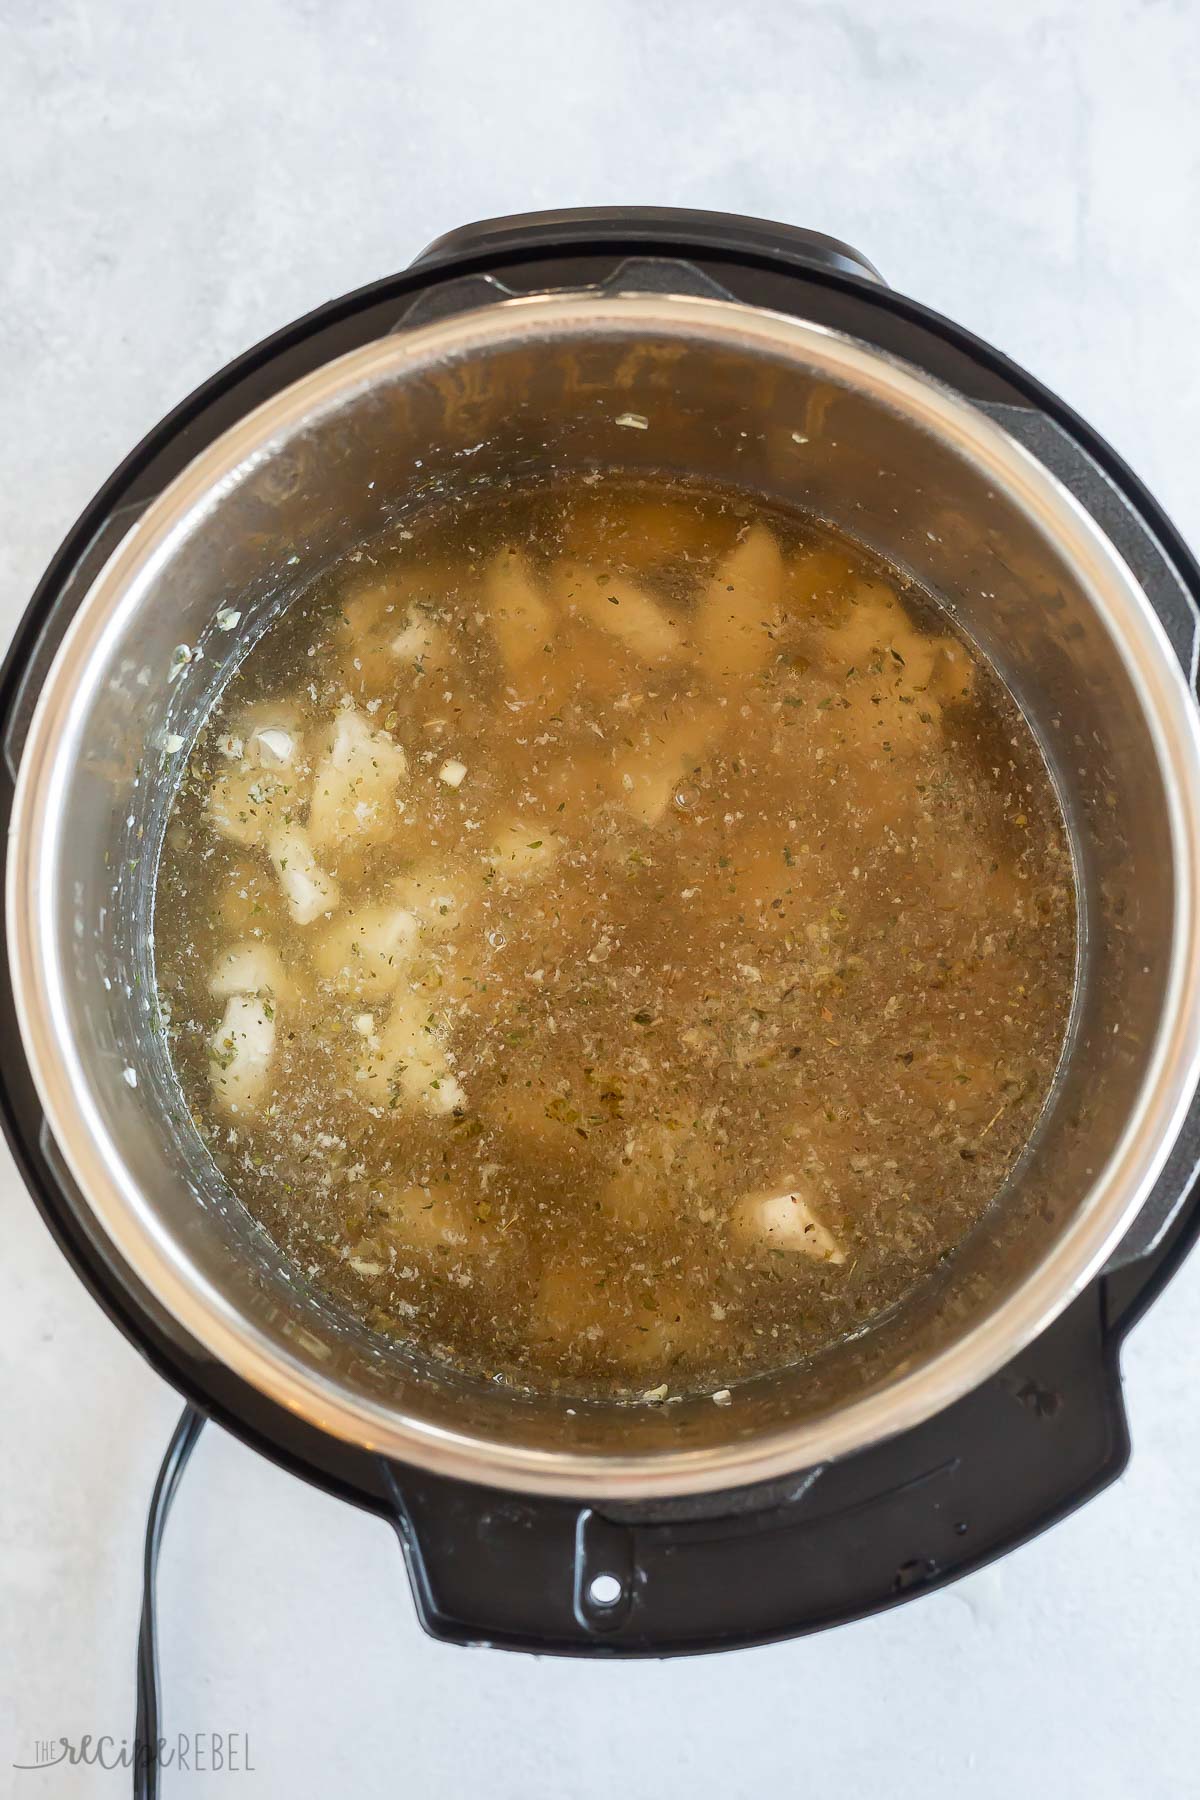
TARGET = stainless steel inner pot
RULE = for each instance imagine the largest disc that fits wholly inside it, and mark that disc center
(546, 384)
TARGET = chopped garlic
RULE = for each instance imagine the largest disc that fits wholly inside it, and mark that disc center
(275, 747)
(362, 1267)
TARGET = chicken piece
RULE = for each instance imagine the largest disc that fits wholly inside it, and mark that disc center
(601, 667)
(542, 1110)
(407, 1064)
(248, 803)
(782, 1219)
(419, 641)
(368, 950)
(627, 612)
(395, 627)
(355, 783)
(439, 897)
(310, 892)
(520, 849)
(740, 608)
(571, 1306)
(573, 787)
(666, 757)
(879, 718)
(435, 1218)
(960, 1087)
(657, 1330)
(522, 619)
(250, 968)
(771, 882)
(877, 636)
(817, 585)
(965, 877)
(240, 1053)
(372, 617)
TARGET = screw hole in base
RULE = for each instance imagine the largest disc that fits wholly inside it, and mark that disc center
(604, 1590)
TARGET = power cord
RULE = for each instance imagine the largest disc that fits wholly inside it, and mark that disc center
(146, 1726)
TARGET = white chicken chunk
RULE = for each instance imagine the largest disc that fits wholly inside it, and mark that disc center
(419, 640)
(439, 896)
(368, 950)
(406, 1064)
(355, 782)
(519, 850)
(740, 606)
(310, 892)
(664, 755)
(431, 1218)
(782, 1219)
(618, 606)
(249, 968)
(523, 621)
(240, 1052)
(248, 803)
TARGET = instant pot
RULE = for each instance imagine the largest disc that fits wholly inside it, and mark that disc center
(778, 361)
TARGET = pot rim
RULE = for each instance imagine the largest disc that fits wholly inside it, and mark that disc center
(127, 1217)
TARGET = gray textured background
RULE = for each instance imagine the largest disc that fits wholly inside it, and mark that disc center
(176, 181)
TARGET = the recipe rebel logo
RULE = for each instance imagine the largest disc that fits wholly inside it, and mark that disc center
(187, 1753)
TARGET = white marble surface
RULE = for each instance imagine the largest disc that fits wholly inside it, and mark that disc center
(175, 181)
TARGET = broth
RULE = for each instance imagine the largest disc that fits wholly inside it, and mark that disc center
(615, 937)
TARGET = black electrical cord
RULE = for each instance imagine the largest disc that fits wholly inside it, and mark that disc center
(146, 1728)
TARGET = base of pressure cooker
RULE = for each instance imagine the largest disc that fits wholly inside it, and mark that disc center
(717, 1571)
(711, 1572)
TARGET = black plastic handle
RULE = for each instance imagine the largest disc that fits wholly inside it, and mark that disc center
(828, 1545)
(730, 232)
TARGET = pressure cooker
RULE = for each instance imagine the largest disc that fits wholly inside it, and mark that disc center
(776, 361)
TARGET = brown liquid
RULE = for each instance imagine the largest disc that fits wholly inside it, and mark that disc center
(648, 941)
